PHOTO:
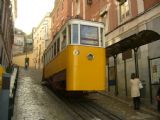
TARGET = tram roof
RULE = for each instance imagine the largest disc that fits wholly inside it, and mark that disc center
(86, 22)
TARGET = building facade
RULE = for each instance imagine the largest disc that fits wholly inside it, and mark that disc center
(19, 42)
(14, 9)
(28, 43)
(41, 38)
(131, 44)
(132, 36)
(6, 32)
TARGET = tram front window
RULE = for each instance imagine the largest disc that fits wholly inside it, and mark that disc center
(75, 34)
(89, 35)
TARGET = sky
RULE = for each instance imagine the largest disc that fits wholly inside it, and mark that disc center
(31, 12)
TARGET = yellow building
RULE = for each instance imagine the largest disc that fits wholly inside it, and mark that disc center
(20, 59)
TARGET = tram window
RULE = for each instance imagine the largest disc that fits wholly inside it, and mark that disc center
(50, 55)
(69, 34)
(75, 34)
(101, 32)
(63, 43)
(58, 45)
(46, 57)
(89, 35)
(52, 51)
(55, 49)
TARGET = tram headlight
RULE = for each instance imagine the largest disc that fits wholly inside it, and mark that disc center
(90, 56)
(76, 52)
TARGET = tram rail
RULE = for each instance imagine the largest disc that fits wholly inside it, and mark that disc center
(88, 110)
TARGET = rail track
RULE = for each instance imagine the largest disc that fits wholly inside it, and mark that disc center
(86, 109)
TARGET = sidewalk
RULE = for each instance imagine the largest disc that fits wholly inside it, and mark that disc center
(148, 109)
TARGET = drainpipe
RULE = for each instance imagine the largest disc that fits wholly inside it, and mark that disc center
(115, 71)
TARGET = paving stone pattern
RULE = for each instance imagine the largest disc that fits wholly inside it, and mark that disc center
(35, 102)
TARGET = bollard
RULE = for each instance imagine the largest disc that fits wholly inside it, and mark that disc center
(4, 98)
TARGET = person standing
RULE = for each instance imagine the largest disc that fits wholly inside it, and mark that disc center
(135, 92)
(158, 99)
(26, 65)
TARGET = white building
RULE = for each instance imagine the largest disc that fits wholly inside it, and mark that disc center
(41, 38)
(19, 42)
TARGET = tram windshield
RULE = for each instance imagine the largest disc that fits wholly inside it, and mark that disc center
(89, 35)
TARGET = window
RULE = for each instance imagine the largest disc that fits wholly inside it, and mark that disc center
(75, 34)
(47, 57)
(89, 2)
(69, 34)
(55, 49)
(104, 18)
(77, 7)
(89, 35)
(58, 45)
(44, 59)
(124, 10)
(101, 32)
(63, 43)
(50, 54)
(155, 71)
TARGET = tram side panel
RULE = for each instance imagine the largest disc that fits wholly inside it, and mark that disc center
(54, 71)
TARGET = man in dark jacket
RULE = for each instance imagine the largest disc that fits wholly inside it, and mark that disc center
(158, 99)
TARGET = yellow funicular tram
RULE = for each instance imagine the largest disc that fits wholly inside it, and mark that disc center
(75, 59)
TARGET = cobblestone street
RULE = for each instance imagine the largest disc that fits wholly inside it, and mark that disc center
(36, 102)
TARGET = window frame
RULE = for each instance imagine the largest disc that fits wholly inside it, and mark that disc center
(98, 37)
(126, 17)
(63, 41)
(72, 32)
